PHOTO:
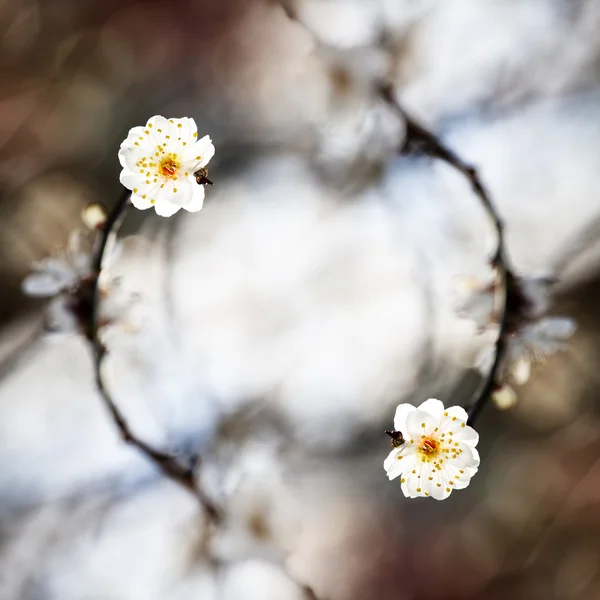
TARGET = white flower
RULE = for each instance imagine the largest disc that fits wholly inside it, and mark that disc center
(159, 164)
(477, 301)
(63, 272)
(438, 454)
(258, 507)
(67, 278)
(482, 302)
(527, 346)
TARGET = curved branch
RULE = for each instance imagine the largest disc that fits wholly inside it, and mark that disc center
(176, 469)
(419, 139)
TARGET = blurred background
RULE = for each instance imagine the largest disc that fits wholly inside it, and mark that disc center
(313, 293)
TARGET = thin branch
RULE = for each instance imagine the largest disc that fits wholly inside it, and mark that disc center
(176, 469)
(419, 139)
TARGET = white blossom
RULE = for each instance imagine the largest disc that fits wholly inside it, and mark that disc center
(66, 278)
(259, 519)
(159, 164)
(476, 301)
(438, 454)
(62, 272)
(62, 277)
(527, 346)
(482, 301)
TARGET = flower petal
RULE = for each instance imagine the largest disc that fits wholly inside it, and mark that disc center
(469, 458)
(434, 407)
(180, 192)
(159, 128)
(537, 292)
(457, 411)
(520, 370)
(460, 478)
(453, 419)
(60, 317)
(134, 148)
(479, 306)
(391, 458)
(466, 434)
(400, 460)
(199, 154)
(165, 208)
(410, 484)
(393, 466)
(548, 335)
(197, 201)
(420, 423)
(40, 285)
(438, 488)
(60, 269)
(131, 180)
(436, 482)
(484, 360)
(140, 203)
(185, 127)
(402, 411)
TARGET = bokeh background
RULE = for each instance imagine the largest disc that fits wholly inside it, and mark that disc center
(312, 294)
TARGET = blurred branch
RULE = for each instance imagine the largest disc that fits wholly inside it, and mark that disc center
(180, 471)
(420, 140)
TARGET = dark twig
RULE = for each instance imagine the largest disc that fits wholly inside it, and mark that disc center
(419, 139)
(180, 471)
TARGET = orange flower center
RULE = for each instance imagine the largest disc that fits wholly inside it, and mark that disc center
(169, 166)
(429, 446)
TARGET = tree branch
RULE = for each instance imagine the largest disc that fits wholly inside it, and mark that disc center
(418, 139)
(175, 468)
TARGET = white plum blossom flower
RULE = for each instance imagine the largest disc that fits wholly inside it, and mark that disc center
(66, 278)
(482, 301)
(477, 301)
(159, 164)
(259, 509)
(438, 454)
(62, 272)
(527, 346)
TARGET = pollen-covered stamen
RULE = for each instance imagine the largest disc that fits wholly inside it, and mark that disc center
(169, 166)
(429, 447)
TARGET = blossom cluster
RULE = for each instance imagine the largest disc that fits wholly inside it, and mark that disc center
(66, 278)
